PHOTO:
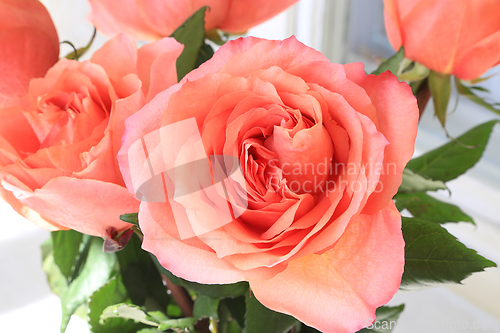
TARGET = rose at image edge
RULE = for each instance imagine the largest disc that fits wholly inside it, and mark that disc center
(29, 46)
(448, 36)
(328, 260)
(153, 19)
(58, 164)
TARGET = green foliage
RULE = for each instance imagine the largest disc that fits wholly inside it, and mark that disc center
(428, 208)
(130, 218)
(66, 246)
(454, 158)
(237, 309)
(432, 255)
(469, 93)
(192, 35)
(128, 311)
(206, 52)
(95, 273)
(440, 86)
(178, 325)
(57, 281)
(77, 53)
(111, 293)
(210, 290)
(141, 277)
(386, 320)
(414, 73)
(206, 307)
(137, 314)
(260, 319)
(413, 182)
(391, 64)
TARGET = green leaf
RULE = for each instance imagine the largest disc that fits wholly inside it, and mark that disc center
(440, 86)
(391, 64)
(386, 321)
(57, 281)
(467, 92)
(141, 277)
(454, 158)
(111, 293)
(178, 325)
(192, 35)
(217, 36)
(210, 290)
(206, 52)
(205, 307)
(237, 308)
(260, 319)
(417, 72)
(66, 247)
(75, 55)
(148, 330)
(428, 208)
(127, 311)
(227, 323)
(432, 255)
(95, 273)
(413, 182)
(130, 218)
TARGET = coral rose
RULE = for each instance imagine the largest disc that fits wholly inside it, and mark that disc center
(152, 19)
(320, 150)
(58, 162)
(459, 37)
(29, 46)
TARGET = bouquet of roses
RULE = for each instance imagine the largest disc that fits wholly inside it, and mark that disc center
(257, 188)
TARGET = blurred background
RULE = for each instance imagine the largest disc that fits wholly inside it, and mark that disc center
(345, 31)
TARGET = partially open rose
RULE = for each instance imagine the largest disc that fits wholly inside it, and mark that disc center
(320, 150)
(153, 19)
(29, 46)
(58, 162)
(459, 37)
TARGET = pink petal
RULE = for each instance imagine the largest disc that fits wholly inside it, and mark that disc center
(156, 65)
(181, 258)
(392, 25)
(113, 17)
(166, 16)
(397, 120)
(144, 121)
(29, 46)
(343, 286)
(118, 57)
(243, 15)
(94, 207)
(478, 58)
(16, 130)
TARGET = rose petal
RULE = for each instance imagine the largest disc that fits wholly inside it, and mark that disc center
(156, 65)
(118, 57)
(242, 15)
(182, 258)
(29, 46)
(397, 121)
(345, 281)
(144, 121)
(94, 207)
(111, 17)
(166, 16)
(16, 130)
